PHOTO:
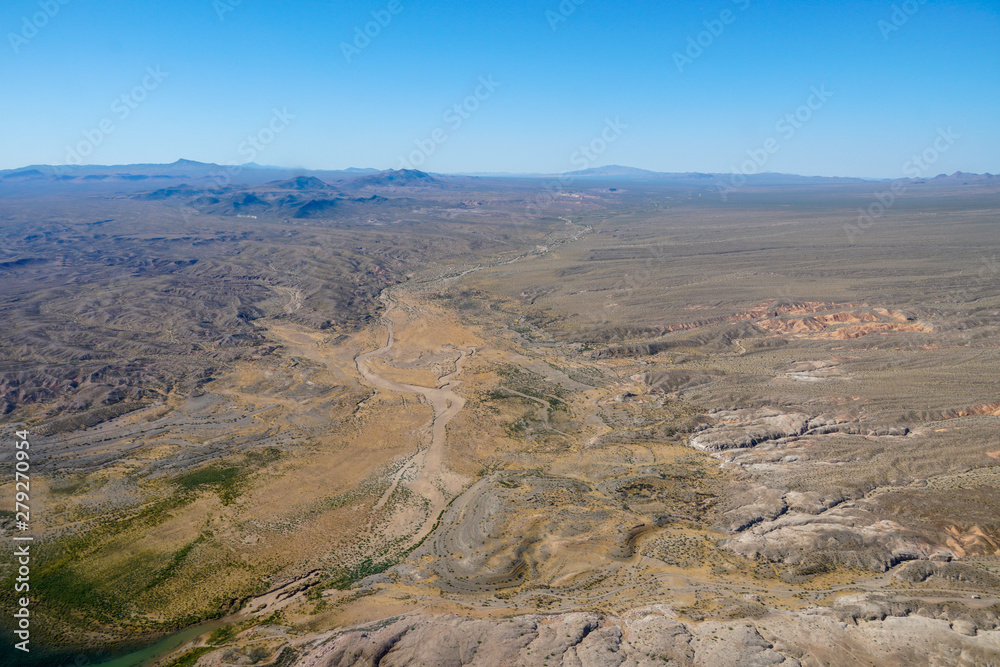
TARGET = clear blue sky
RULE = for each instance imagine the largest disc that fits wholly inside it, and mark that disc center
(892, 89)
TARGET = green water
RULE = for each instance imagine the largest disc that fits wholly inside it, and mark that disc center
(149, 654)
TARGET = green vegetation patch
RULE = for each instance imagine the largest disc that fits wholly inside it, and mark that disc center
(98, 579)
(344, 577)
(227, 633)
(191, 657)
(176, 561)
(227, 481)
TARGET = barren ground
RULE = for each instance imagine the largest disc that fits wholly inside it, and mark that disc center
(648, 428)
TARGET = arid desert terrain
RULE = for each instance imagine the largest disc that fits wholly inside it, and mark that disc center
(399, 418)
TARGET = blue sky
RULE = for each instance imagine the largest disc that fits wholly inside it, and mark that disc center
(891, 76)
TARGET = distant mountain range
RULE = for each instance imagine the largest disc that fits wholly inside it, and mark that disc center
(961, 177)
(181, 169)
(301, 197)
(355, 178)
(764, 178)
(234, 189)
(393, 178)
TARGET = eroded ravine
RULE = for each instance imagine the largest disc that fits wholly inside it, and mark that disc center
(446, 403)
(431, 475)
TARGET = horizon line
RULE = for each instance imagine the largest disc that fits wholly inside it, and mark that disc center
(591, 171)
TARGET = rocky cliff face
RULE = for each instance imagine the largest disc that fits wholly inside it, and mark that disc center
(857, 631)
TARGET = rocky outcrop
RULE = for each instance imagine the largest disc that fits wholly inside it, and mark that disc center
(857, 628)
(737, 429)
(742, 429)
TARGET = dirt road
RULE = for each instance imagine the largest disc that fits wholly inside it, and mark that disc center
(427, 464)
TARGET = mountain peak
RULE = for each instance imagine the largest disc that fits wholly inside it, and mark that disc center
(395, 177)
(301, 183)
